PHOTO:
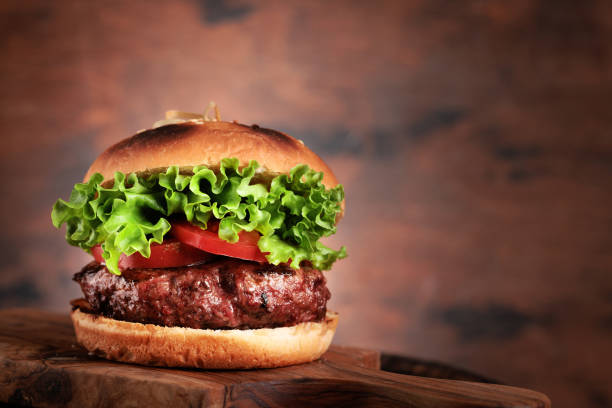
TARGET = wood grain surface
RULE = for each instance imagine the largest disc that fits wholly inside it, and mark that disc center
(472, 138)
(43, 366)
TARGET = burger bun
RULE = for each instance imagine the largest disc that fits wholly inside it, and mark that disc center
(154, 345)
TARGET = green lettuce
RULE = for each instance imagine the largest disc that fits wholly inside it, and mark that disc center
(292, 213)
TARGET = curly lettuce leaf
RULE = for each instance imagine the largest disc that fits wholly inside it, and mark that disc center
(292, 214)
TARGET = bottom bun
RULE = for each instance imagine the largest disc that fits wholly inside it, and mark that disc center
(149, 344)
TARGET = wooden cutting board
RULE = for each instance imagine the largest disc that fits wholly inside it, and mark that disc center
(42, 365)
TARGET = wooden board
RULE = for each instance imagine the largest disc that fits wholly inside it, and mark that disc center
(43, 366)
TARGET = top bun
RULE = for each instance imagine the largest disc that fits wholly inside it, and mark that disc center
(192, 143)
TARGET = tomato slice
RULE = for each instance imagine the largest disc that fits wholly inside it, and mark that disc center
(169, 254)
(208, 240)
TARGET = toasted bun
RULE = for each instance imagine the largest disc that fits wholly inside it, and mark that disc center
(149, 344)
(206, 143)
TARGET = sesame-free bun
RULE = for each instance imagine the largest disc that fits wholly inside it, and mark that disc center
(149, 344)
(191, 143)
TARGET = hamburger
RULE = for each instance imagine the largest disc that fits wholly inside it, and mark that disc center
(206, 244)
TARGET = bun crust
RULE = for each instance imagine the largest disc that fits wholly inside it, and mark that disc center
(149, 344)
(206, 143)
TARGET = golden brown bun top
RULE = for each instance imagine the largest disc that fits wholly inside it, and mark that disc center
(191, 144)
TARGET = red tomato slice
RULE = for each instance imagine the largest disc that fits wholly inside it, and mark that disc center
(208, 240)
(170, 253)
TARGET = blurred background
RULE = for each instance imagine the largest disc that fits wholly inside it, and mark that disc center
(473, 139)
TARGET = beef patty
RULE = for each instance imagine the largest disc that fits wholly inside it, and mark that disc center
(225, 294)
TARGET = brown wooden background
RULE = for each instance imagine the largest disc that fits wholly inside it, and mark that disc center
(474, 140)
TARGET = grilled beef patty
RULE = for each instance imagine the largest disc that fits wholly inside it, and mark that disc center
(225, 294)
